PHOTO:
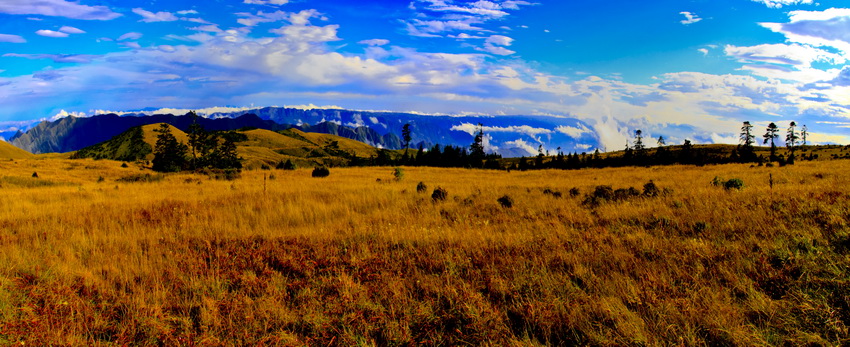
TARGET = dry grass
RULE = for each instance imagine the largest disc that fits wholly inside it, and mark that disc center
(347, 260)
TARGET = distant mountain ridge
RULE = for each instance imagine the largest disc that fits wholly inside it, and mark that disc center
(511, 136)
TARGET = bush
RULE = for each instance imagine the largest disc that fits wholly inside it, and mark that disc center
(285, 165)
(35, 175)
(421, 187)
(574, 192)
(265, 167)
(321, 172)
(398, 173)
(506, 201)
(650, 189)
(735, 183)
(439, 194)
(124, 165)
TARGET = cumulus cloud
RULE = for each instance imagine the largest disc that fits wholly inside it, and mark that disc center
(780, 3)
(57, 8)
(149, 17)
(12, 38)
(690, 18)
(521, 144)
(51, 33)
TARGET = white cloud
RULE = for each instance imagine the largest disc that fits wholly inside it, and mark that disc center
(250, 20)
(470, 128)
(57, 8)
(130, 36)
(71, 30)
(375, 42)
(521, 144)
(690, 18)
(149, 17)
(12, 38)
(780, 3)
(574, 132)
(185, 12)
(828, 28)
(489, 48)
(499, 40)
(267, 2)
(63, 114)
(794, 54)
(704, 51)
(51, 33)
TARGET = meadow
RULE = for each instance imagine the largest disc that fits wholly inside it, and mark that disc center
(280, 258)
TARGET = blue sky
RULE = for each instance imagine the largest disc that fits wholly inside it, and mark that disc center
(620, 65)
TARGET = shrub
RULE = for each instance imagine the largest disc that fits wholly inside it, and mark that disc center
(124, 165)
(506, 201)
(439, 194)
(735, 183)
(650, 189)
(35, 175)
(265, 167)
(287, 165)
(421, 187)
(717, 181)
(321, 172)
(398, 173)
(574, 192)
(100, 179)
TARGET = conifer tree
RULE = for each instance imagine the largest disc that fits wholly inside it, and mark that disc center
(169, 154)
(771, 135)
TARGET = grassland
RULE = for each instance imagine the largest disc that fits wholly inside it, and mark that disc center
(349, 260)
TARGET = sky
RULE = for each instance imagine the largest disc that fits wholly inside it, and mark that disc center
(675, 68)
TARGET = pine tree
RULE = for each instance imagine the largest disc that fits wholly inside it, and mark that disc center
(791, 140)
(747, 152)
(771, 135)
(405, 135)
(169, 154)
(804, 131)
(476, 150)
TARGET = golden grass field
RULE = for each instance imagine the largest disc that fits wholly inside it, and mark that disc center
(348, 260)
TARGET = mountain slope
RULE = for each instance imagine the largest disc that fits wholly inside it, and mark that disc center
(8, 151)
(72, 133)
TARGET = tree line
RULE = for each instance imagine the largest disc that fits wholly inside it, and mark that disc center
(636, 154)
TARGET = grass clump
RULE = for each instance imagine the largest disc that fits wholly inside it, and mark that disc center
(506, 201)
(421, 187)
(141, 178)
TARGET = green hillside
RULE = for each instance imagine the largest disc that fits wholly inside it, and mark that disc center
(260, 147)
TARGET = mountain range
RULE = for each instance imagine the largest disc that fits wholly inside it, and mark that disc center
(510, 136)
